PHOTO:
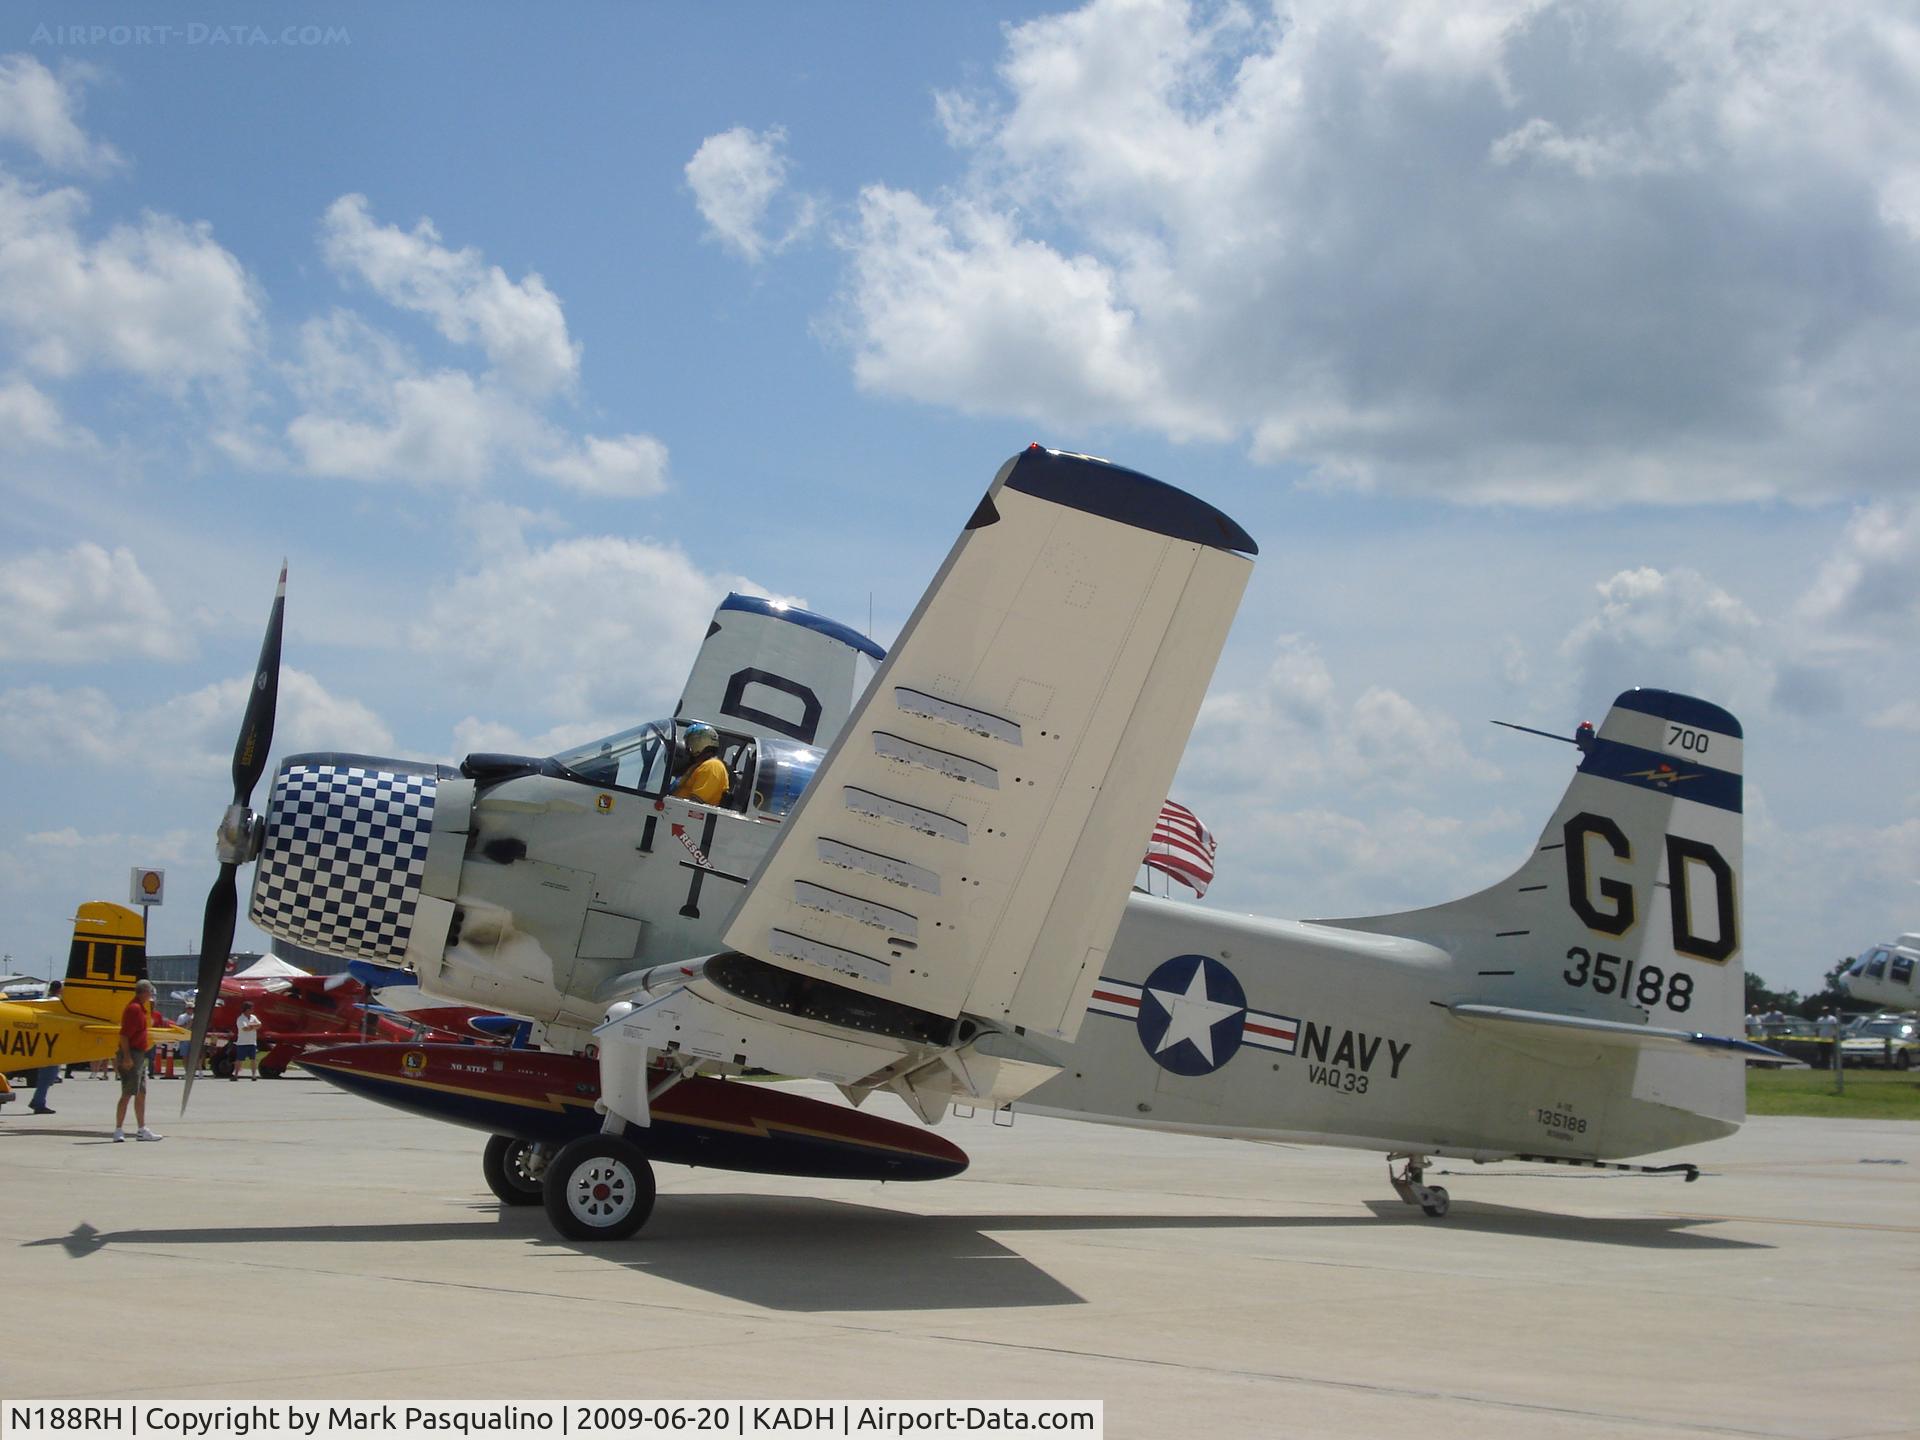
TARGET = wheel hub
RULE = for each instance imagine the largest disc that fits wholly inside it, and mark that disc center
(527, 1163)
(602, 1193)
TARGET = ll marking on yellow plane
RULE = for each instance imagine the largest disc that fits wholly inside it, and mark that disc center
(82, 1022)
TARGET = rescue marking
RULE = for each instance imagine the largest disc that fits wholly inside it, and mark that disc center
(699, 855)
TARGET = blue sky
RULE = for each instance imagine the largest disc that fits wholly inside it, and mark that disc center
(1547, 350)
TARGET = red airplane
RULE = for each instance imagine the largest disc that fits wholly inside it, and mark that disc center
(298, 1011)
(397, 993)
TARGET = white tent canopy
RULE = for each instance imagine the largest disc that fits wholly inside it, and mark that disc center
(269, 967)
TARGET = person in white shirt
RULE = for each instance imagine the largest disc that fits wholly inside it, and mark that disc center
(246, 1041)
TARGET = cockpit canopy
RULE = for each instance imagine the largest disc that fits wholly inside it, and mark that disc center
(766, 773)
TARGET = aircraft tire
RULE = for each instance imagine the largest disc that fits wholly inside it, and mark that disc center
(272, 1072)
(504, 1163)
(599, 1187)
(1436, 1202)
(222, 1066)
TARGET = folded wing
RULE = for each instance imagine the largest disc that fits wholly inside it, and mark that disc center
(969, 841)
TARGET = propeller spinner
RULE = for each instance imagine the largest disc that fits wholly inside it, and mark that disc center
(238, 839)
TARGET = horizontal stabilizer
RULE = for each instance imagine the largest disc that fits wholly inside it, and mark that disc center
(1546, 1025)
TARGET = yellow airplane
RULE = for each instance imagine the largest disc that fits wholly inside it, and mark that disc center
(82, 1022)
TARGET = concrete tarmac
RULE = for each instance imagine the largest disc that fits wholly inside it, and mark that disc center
(290, 1241)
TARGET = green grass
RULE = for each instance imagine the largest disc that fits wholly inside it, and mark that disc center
(1870, 1095)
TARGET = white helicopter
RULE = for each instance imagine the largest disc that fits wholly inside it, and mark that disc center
(1884, 974)
(920, 883)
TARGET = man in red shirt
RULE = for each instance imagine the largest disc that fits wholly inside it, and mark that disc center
(136, 1044)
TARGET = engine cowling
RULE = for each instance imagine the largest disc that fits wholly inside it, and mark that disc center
(344, 856)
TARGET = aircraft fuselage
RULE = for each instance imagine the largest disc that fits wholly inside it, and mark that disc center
(1297, 1032)
(1308, 1033)
(541, 937)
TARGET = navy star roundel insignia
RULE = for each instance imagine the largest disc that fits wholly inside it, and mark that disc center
(1192, 1015)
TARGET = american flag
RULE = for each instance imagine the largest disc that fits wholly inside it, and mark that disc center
(1182, 847)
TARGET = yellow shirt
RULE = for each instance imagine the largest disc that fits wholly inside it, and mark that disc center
(705, 783)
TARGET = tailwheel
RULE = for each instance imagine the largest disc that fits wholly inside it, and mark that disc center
(599, 1187)
(1409, 1182)
(514, 1169)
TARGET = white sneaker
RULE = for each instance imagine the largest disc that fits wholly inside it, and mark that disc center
(118, 1136)
(143, 1133)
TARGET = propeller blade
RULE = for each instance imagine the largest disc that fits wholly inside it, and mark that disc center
(256, 730)
(216, 945)
(239, 833)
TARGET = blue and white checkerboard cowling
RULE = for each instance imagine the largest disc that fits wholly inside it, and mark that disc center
(345, 850)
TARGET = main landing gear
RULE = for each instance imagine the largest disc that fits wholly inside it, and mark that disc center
(599, 1187)
(514, 1169)
(1409, 1182)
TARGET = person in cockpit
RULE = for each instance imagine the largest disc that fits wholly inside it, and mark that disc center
(705, 779)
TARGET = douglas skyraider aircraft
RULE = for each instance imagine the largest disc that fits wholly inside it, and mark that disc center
(920, 884)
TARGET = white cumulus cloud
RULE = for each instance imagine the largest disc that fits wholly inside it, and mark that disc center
(738, 179)
(435, 428)
(596, 630)
(624, 466)
(371, 411)
(189, 734)
(1507, 250)
(160, 299)
(519, 326)
(31, 419)
(83, 605)
(41, 111)
(371, 414)
(959, 308)
(1867, 591)
(1291, 733)
(1672, 630)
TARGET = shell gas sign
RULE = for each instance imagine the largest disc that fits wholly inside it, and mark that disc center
(149, 887)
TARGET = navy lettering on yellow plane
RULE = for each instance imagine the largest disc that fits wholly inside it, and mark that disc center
(26, 1044)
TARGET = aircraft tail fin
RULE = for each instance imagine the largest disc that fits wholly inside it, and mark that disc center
(777, 669)
(108, 958)
(1628, 909)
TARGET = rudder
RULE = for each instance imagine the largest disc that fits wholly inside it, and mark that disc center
(108, 958)
(1628, 908)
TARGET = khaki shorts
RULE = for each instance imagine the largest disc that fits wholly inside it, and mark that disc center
(133, 1078)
